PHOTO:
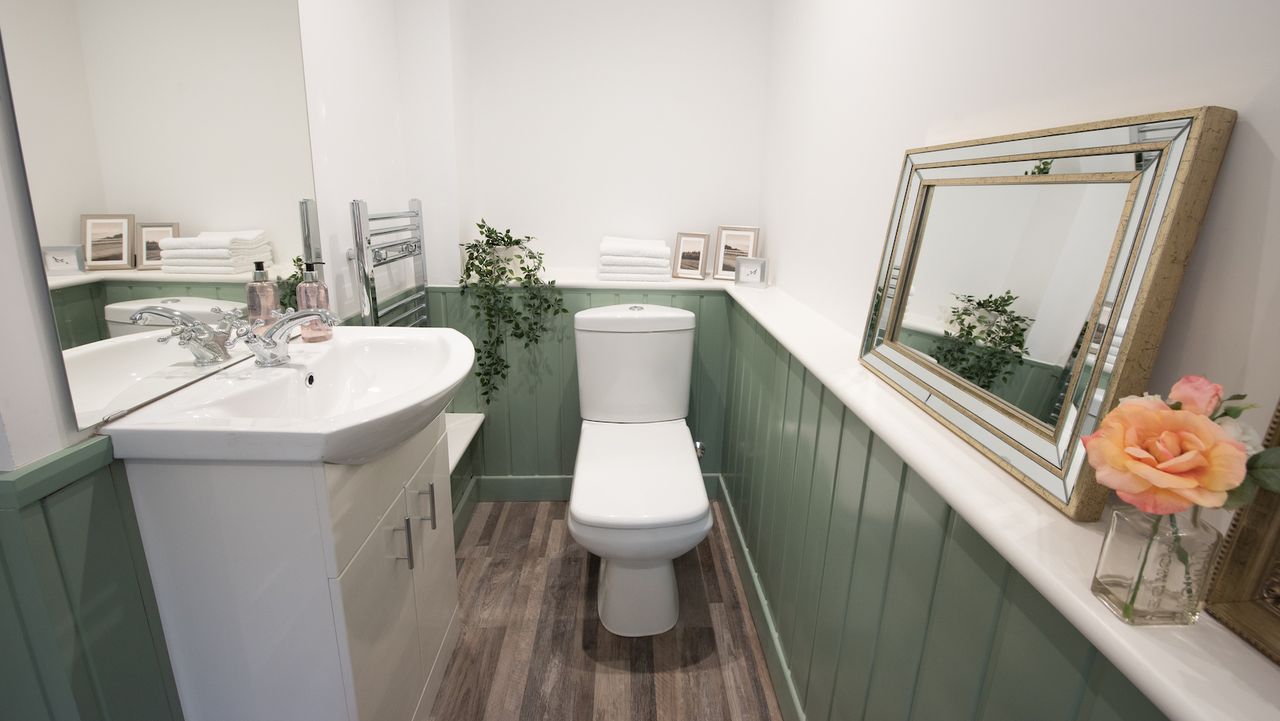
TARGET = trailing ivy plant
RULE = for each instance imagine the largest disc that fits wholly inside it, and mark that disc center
(288, 287)
(503, 277)
(1041, 168)
(990, 338)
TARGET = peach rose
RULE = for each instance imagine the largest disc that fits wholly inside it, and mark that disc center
(1164, 461)
(1197, 394)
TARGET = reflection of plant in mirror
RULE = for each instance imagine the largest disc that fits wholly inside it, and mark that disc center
(989, 339)
(289, 286)
(1041, 168)
(495, 262)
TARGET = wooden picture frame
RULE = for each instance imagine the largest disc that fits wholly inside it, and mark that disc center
(107, 240)
(690, 258)
(1245, 592)
(733, 242)
(148, 245)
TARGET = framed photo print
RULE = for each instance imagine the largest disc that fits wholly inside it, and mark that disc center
(149, 237)
(107, 240)
(61, 259)
(691, 255)
(733, 242)
(751, 273)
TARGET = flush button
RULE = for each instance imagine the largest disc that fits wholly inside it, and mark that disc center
(636, 307)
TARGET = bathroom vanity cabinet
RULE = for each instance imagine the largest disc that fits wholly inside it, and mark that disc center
(304, 590)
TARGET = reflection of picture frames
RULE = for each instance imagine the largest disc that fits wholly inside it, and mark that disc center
(149, 237)
(107, 241)
(733, 242)
(691, 255)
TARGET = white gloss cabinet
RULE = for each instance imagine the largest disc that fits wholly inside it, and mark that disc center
(304, 590)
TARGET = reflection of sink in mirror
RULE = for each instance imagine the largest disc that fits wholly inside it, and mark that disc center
(1044, 248)
(120, 373)
(118, 314)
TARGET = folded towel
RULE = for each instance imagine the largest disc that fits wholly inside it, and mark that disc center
(212, 241)
(253, 253)
(633, 277)
(664, 269)
(634, 260)
(205, 269)
(245, 263)
(252, 234)
(612, 245)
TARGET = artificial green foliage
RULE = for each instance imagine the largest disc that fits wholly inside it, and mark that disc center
(1041, 168)
(288, 287)
(503, 277)
(989, 339)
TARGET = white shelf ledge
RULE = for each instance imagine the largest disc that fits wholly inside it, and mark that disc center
(1197, 673)
(157, 276)
(460, 428)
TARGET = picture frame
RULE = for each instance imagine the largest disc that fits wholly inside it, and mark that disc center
(107, 240)
(1247, 572)
(148, 245)
(690, 258)
(62, 259)
(751, 273)
(733, 242)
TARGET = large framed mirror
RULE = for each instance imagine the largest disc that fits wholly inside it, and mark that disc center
(1027, 279)
(142, 118)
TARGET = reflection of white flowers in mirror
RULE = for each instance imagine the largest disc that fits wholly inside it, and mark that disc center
(1242, 432)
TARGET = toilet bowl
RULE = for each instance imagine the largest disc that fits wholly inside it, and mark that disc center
(638, 499)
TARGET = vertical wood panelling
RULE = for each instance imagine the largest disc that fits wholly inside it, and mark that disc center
(887, 605)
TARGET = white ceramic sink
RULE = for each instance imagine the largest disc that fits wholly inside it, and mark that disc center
(117, 374)
(342, 401)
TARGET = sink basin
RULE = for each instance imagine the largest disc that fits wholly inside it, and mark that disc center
(342, 401)
(117, 374)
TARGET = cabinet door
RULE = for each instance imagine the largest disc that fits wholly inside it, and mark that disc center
(376, 593)
(435, 575)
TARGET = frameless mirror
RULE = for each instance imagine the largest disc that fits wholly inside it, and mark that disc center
(1026, 281)
(139, 120)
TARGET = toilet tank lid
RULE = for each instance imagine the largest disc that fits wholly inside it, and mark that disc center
(200, 308)
(633, 318)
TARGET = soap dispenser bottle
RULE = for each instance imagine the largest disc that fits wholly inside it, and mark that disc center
(262, 296)
(313, 294)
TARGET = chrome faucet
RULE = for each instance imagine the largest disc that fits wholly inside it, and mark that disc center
(208, 344)
(272, 347)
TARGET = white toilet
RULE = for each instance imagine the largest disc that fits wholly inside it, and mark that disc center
(118, 314)
(638, 499)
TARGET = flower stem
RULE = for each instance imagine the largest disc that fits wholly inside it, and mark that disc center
(1142, 569)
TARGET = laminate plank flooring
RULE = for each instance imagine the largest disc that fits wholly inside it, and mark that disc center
(532, 646)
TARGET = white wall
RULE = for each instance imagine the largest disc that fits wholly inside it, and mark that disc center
(581, 118)
(189, 111)
(853, 85)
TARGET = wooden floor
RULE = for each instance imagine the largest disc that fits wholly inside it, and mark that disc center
(532, 646)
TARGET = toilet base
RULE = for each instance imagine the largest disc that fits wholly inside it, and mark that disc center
(637, 598)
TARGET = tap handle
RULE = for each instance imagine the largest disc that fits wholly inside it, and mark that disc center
(243, 330)
(175, 331)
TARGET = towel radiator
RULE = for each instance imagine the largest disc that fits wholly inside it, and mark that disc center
(382, 239)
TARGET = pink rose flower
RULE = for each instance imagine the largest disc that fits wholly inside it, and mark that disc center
(1197, 394)
(1165, 461)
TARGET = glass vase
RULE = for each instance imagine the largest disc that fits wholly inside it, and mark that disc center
(1154, 570)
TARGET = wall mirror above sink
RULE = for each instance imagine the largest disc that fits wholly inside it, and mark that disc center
(1027, 279)
(157, 112)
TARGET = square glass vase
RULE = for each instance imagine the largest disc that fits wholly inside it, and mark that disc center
(1154, 570)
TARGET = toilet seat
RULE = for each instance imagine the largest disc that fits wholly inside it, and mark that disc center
(636, 476)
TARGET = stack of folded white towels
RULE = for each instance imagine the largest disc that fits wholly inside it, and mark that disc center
(631, 259)
(215, 252)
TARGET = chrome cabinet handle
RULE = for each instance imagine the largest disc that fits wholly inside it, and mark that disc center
(408, 541)
(430, 493)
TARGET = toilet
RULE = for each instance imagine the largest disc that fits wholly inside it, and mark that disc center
(118, 314)
(638, 500)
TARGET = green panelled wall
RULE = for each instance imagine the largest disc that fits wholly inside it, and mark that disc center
(530, 434)
(78, 310)
(875, 600)
(79, 627)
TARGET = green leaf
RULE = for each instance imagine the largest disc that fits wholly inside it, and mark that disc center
(1242, 495)
(1235, 411)
(1175, 405)
(1264, 469)
(1236, 397)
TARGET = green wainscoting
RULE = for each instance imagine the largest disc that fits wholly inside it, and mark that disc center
(78, 310)
(874, 600)
(531, 428)
(79, 628)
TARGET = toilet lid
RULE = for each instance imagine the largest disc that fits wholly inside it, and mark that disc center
(637, 475)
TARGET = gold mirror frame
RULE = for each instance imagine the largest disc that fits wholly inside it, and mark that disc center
(1245, 595)
(1175, 158)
